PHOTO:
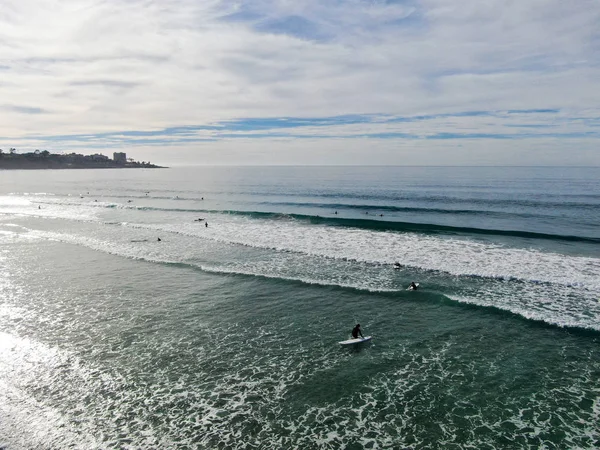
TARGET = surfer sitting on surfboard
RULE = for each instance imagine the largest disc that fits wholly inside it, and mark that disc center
(356, 331)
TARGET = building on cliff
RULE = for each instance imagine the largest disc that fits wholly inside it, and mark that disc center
(120, 157)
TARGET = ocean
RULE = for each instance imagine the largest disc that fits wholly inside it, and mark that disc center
(224, 333)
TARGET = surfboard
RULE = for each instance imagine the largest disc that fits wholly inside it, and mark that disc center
(356, 341)
(410, 288)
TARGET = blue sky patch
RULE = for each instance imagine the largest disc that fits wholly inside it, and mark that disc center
(433, 127)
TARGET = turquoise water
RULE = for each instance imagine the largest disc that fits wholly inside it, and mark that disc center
(226, 336)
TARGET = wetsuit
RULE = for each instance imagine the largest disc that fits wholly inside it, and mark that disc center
(356, 331)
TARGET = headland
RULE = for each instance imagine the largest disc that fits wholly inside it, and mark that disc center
(45, 160)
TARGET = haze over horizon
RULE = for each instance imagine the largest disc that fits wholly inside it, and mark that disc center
(430, 82)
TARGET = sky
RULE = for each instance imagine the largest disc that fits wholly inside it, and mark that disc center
(402, 82)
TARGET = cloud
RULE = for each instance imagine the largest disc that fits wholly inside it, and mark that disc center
(106, 83)
(20, 109)
(480, 125)
(176, 72)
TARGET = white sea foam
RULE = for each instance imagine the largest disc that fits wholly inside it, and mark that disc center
(559, 289)
(29, 423)
(452, 256)
(45, 208)
(12, 201)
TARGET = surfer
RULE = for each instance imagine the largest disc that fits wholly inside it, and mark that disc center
(397, 265)
(356, 331)
(158, 240)
(198, 220)
(413, 286)
(206, 224)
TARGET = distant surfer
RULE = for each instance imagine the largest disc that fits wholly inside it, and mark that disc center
(413, 286)
(335, 212)
(158, 240)
(356, 331)
(397, 265)
(198, 220)
(206, 224)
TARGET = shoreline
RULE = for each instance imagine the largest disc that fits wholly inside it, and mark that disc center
(83, 167)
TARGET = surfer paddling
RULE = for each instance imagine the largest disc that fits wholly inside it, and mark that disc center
(357, 337)
(413, 286)
(356, 331)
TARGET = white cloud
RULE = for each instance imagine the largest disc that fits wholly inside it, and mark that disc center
(92, 66)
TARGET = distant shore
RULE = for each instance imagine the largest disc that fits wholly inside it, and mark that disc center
(46, 160)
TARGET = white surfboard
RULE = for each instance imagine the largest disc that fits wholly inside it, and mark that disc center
(410, 288)
(356, 341)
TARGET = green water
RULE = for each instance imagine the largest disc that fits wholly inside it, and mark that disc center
(226, 336)
(239, 362)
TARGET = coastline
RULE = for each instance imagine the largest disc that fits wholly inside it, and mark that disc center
(71, 167)
(46, 160)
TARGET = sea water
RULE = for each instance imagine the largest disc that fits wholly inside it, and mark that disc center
(226, 336)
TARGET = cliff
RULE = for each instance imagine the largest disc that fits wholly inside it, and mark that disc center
(47, 160)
